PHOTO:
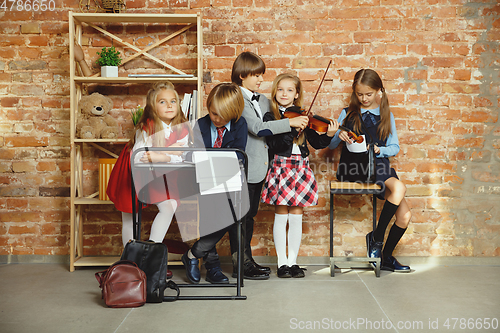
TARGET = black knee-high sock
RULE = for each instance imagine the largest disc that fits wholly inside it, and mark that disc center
(395, 235)
(386, 215)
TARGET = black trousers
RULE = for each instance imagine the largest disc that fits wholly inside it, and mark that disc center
(205, 248)
(254, 192)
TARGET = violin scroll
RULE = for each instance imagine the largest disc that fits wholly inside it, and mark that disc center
(352, 135)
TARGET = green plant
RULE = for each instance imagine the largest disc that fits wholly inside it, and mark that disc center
(136, 114)
(109, 57)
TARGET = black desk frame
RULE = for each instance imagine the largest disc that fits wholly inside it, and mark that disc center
(374, 261)
(137, 229)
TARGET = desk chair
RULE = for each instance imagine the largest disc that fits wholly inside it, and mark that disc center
(337, 187)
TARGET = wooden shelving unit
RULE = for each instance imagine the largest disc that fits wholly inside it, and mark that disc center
(77, 23)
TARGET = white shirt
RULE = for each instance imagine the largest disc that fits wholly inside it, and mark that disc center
(254, 102)
(142, 139)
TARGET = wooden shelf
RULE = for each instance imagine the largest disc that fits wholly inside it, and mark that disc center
(102, 140)
(135, 18)
(80, 23)
(125, 79)
(96, 261)
(92, 201)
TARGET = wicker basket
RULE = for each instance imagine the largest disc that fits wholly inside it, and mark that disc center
(109, 4)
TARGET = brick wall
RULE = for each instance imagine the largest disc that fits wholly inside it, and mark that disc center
(440, 63)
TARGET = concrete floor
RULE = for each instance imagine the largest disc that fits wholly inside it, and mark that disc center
(48, 298)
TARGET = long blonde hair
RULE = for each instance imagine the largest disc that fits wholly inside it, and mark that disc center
(150, 122)
(297, 101)
(370, 78)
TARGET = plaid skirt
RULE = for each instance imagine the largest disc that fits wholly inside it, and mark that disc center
(290, 182)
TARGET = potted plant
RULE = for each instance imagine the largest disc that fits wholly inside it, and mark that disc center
(109, 59)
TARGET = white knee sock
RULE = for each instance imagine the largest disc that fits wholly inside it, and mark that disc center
(127, 228)
(279, 234)
(162, 220)
(294, 237)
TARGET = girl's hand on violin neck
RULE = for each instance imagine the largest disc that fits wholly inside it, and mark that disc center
(299, 122)
(344, 136)
(333, 127)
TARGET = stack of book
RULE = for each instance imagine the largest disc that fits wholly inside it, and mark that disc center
(189, 105)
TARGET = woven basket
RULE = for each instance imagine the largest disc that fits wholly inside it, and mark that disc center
(108, 4)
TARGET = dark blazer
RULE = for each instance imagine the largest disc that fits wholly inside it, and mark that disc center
(282, 144)
(235, 138)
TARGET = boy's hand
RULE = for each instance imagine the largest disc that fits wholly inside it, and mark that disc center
(299, 122)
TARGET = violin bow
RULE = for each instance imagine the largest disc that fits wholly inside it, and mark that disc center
(316, 94)
(319, 87)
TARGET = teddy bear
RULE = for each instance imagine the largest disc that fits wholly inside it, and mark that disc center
(94, 121)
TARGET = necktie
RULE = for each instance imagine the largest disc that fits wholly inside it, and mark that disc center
(220, 135)
(255, 97)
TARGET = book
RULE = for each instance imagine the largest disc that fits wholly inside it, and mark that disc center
(186, 104)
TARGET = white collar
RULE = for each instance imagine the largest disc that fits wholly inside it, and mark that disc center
(375, 111)
(247, 92)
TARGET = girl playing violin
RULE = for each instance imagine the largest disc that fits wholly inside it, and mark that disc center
(290, 184)
(379, 122)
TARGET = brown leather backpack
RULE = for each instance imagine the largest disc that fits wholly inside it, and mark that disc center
(123, 285)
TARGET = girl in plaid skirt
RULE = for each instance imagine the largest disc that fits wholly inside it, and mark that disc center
(290, 184)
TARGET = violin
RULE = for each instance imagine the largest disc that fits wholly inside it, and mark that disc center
(295, 111)
(352, 135)
(318, 123)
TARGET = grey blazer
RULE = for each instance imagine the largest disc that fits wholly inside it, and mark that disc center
(258, 160)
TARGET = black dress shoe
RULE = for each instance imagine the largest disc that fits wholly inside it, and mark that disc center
(192, 270)
(250, 272)
(297, 272)
(284, 272)
(374, 249)
(215, 275)
(261, 268)
(393, 265)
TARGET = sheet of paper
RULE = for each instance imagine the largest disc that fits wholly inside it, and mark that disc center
(357, 147)
(217, 172)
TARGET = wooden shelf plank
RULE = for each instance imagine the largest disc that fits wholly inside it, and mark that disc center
(96, 261)
(103, 140)
(125, 79)
(92, 201)
(135, 18)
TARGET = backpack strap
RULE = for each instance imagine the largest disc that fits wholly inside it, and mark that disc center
(174, 286)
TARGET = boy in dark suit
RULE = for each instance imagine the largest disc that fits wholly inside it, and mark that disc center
(223, 127)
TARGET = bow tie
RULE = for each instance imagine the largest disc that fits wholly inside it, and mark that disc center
(370, 116)
(255, 98)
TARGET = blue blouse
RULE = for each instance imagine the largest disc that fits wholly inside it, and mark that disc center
(392, 145)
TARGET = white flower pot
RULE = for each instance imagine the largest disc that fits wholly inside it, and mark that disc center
(109, 71)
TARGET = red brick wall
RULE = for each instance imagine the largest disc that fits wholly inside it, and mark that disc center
(440, 63)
